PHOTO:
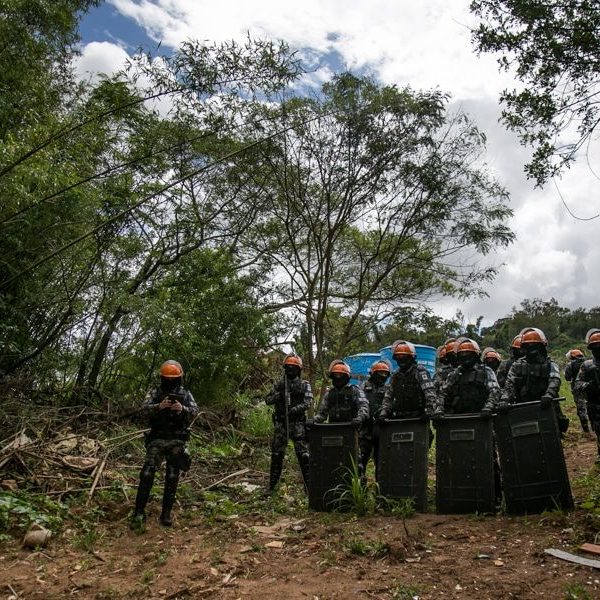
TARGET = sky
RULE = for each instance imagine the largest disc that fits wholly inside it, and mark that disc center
(426, 45)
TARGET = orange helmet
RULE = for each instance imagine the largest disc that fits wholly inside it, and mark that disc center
(516, 342)
(575, 353)
(449, 346)
(381, 366)
(292, 360)
(403, 348)
(533, 335)
(490, 353)
(339, 366)
(171, 369)
(592, 337)
(467, 345)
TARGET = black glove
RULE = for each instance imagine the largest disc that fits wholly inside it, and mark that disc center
(357, 421)
(438, 416)
(296, 411)
(424, 418)
(503, 408)
(381, 419)
(318, 419)
(485, 414)
(546, 401)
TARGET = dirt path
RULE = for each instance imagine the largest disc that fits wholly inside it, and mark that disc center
(272, 552)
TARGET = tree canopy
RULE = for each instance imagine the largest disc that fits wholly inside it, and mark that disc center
(553, 46)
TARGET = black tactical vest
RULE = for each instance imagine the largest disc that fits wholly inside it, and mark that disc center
(470, 392)
(296, 390)
(375, 396)
(592, 375)
(342, 404)
(167, 424)
(534, 380)
(407, 395)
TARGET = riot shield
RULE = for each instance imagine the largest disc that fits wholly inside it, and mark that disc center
(464, 465)
(534, 473)
(333, 448)
(402, 463)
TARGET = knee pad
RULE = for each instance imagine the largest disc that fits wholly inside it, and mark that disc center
(147, 472)
(172, 473)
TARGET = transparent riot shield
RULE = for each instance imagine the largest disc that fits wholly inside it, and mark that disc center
(333, 450)
(464, 465)
(534, 473)
(402, 464)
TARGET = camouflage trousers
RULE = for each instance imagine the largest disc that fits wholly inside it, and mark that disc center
(173, 451)
(581, 405)
(296, 434)
(593, 411)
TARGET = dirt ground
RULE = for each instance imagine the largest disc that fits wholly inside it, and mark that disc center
(266, 553)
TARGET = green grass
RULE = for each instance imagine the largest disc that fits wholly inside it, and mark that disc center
(355, 495)
(576, 591)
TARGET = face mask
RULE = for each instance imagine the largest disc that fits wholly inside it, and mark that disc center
(596, 353)
(467, 359)
(339, 380)
(291, 372)
(379, 378)
(531, 351)
(168, 384)
(404, 362)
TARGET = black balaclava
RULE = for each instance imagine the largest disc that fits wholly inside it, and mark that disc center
(516, 353)
(533, 352)
(379, 377)
(492, 363)
(405, 362)
(291, 371)
(467, 360)
(169, 384)
(339, 380)
(595, 348)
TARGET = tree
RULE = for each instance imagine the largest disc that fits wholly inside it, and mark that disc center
(554, 47)
(376, 199)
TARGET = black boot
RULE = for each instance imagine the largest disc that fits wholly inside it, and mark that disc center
(143, 493)
(276, 468)
(303, 461)
(585, 425)
(171, 481)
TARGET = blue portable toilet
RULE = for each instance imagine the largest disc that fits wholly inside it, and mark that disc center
(360, 364)
(426, 356)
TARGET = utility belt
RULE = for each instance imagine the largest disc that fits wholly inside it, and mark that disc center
(157, 434)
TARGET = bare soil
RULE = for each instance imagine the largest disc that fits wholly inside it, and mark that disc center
(268, 553)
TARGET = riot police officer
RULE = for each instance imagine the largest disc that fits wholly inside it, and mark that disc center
(170, 409)
(588, 383)
(576, 358)
(491, 359)
(472, 386)
(506, 364)
(374, 390)
(445, 355)
(291, 397)
(411, 393)
(534, 377)
(343, 401)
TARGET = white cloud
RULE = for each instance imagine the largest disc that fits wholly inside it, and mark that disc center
(99, 57)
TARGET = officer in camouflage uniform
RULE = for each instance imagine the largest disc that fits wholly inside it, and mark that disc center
(491, 359)
(505, 365)
(472, 387)
(576, 359)
(445, 355)
(374, 390)
(292, 395)
(411, 393)
(170, 409)
(534, 377)
(588, 383)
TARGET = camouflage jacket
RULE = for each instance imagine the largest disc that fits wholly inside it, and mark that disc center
(572, 370)
(411, 393)
(345, 404)
(166, 423)
(374, 395)
(470, 390)
(503, 369)
(301, 398)
(527, 382)
(441, 375)
(588, 380)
